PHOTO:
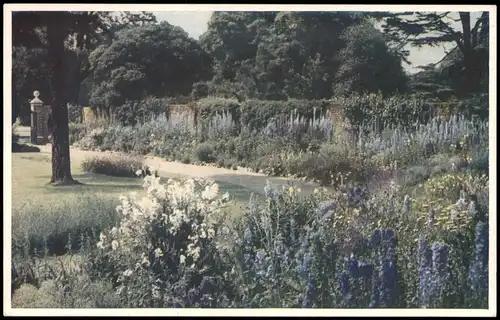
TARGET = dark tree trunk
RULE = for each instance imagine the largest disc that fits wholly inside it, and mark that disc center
(472, 65)
(56, 34)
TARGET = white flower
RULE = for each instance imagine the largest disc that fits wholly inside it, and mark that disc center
(100, 245)
(127, 273)
(182, 259)
(114, 244)
(211, 233)
(210, 192)
(158, 252)
(120, 289)
(155, 291)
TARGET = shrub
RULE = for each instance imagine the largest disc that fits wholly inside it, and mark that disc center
(75, 113)
(402, 110)
(29, 296)
(134, 112)
(200, 90)
(114, 165)
(205, 152)
(163, 253)
(77, 132)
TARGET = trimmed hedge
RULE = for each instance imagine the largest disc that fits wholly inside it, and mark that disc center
(210, 106)
(256, 114)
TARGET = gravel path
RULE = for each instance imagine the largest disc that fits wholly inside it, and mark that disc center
(250, 180)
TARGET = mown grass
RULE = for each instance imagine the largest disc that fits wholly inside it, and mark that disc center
(44, 216)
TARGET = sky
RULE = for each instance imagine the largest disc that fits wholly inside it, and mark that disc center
(195, 24)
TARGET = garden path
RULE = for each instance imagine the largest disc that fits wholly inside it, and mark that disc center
(250, 180)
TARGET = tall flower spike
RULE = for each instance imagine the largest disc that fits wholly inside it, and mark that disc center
(310, 293)
(344, 284)
(439, 275)
(431, 218)
(472, 210)
(425, 268)
(353, 267)
(406, 204)
(388, 283)
(478, 273)
(376, 238)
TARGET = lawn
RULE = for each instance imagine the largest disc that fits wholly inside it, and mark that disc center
(45, 215)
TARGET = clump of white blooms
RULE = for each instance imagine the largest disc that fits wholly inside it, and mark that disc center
(170, 205)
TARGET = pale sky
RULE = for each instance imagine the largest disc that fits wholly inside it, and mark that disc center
(195, 24)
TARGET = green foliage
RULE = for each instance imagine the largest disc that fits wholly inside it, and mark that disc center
(366, 56)
(283, 55)
(256, 114)
(465, 68)
(75, 113)
(205, 152)
(199, 91)
(402, 110)
(114, 165)
(36, 227)
(126, 69)
(133, 112)
(76, 132)
(209, 107)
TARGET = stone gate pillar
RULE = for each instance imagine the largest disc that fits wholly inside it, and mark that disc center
(39, 118)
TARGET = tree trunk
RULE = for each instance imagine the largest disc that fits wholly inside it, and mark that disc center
(56, 34)
(470, 62)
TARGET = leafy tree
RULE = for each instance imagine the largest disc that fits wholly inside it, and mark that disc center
(418, 29)
(367, 63)
(281, 55)
(59, 32)
(152, 60)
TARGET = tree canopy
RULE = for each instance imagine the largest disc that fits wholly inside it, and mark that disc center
(151, 60)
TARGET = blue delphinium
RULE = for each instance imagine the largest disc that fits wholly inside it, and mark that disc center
(375, 296)
(306, 264)
(439, 276)
(425, 268)
(375, 239)
(478, 273)
(388, 283)
(353, 267)
(389, 238)
(310, 293)
(260, 266)
(440, 254)
(248, 261)
(384, 291)
(344, 284)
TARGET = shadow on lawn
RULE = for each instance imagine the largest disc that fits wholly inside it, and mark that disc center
(95, 184)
